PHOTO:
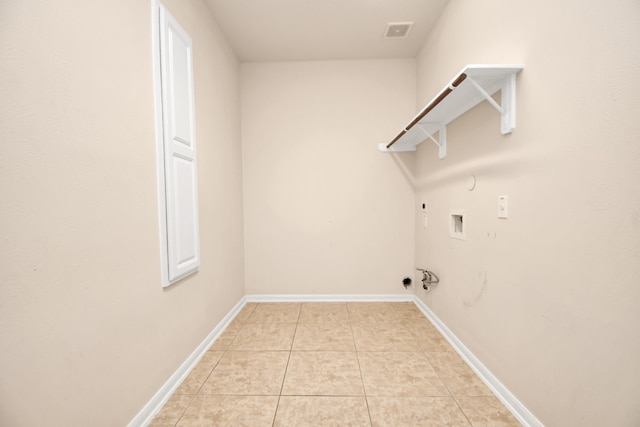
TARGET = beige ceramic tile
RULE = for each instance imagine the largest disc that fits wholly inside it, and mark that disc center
(407, 312)
(264, 336)
(422, 328)
(250, 411)
(235, 325)
(406, 306)
(324, 336)
(435, 343)
(199, 373)
(246, 311)
(248, 373)
(485, 411)
(399, 374)
(427, 336)
(324, 312)
(399, 305)
(415, 411)
(372, 312)
(172, 410)
(383, 337)
(232, 330)
(325, 373)
(322, 411)
(457, 375)
(221, 344)
(369, 306)
(275, 313)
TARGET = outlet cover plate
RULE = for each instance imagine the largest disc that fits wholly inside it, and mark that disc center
(503, 207)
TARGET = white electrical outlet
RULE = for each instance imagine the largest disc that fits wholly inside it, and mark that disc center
(503, 207)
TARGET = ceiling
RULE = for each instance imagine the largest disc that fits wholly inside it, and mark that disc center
(303, 30)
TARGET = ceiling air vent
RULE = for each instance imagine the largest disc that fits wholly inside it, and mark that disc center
(397, 30)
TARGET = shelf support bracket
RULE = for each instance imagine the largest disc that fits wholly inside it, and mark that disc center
(508, 108)
(441, 142)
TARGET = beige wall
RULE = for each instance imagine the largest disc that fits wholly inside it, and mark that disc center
(325, 212)
(87, 334)
(548, 299)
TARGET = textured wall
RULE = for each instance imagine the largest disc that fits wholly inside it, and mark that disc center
(325, 212)
(547, 299)
(87, 334)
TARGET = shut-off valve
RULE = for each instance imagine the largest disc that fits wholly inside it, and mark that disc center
(428, 278)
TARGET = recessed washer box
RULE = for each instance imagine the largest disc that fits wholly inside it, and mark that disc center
(457, 224)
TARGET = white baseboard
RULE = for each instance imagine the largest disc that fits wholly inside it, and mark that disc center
(509, 400)
(154, 405)
(331, 298)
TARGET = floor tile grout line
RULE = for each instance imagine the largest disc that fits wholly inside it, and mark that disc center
(451, 395)
(197, 393)
(445, 383)
(364, 389)
(462, 410)
(329, 395)
(185, 410)
(284, 377)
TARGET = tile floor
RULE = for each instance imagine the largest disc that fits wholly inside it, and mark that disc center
(332, 364)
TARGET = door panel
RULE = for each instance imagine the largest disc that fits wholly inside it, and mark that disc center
(181, 177)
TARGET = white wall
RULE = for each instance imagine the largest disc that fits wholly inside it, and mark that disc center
(325, 212)
(549, 298)
(87, 334)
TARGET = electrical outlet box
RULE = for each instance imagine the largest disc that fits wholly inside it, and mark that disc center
(457, 224)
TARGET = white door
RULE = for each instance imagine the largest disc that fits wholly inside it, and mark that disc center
(178, 129)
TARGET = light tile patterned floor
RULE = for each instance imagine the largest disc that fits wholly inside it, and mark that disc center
(332, 364)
